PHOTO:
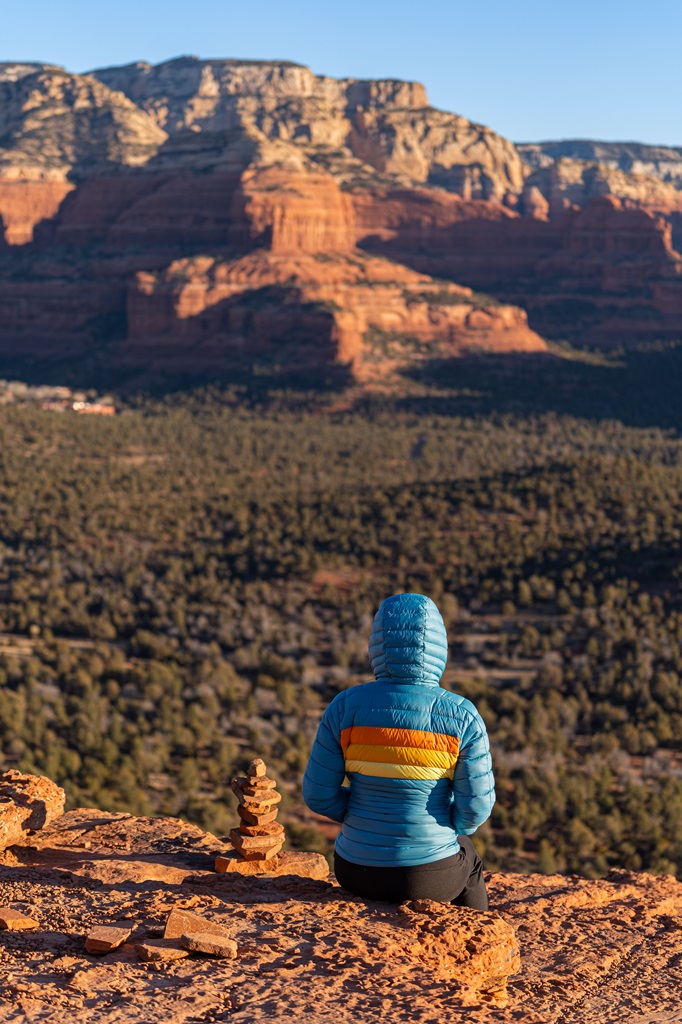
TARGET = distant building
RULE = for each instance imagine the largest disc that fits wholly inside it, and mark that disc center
(55, 398)
(94, 409)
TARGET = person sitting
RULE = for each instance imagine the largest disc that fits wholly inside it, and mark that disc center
(418, 760)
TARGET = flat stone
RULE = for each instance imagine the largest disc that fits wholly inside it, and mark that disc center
(242, 842)
(263, 854)
(210, 944)
(291, 862)
(260, 794)
(256, 768)
(105, 938)
(242, 839)
(154, 950)
(256, 818)
(260, 801)
(183, 922)
(273, 829)
(14, 921)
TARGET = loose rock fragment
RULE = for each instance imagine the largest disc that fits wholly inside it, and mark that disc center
(105, 938)
(153, 950)
(14, 921)
(183, 922)
(210, 944)
(256, 768)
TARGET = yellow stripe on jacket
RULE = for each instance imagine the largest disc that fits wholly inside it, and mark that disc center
(398, 771)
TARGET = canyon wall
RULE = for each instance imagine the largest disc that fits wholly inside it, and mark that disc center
(127, 190)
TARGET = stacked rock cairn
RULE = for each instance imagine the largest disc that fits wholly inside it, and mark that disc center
(259, 836)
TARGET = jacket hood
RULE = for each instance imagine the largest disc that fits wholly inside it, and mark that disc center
(408, 642)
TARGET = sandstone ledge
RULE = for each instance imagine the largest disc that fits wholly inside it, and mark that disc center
(591, 952)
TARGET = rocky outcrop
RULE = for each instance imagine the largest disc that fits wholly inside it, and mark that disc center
(662, 162)
(27, 803)
(569, 183)
(387, 125)
(26, 204)
(293, 212)
(127, 917)
(308, 313)
(54, 124)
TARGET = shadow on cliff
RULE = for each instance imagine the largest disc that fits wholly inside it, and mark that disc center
(638, 387)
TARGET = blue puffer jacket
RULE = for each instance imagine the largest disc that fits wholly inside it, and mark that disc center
(417, 756)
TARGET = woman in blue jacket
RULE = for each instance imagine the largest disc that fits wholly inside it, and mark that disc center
(418, 761)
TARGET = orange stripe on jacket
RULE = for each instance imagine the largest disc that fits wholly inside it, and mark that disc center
(370, 753)
(375, 735)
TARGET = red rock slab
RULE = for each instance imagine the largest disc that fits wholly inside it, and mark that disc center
(291, 862)
(273, 829)
(154, 950)
(183, 922)
(262, 803)
(256, 817)
(257, 768)
(27, 803)
(14, 921)
(259, 793)
(210, 945)
(244, 843)
(105, 938)
(262, 854)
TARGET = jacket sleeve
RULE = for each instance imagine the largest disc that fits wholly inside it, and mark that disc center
(474, 782)
(323, 789)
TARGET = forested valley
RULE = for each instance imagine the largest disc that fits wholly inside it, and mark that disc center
(187, 585)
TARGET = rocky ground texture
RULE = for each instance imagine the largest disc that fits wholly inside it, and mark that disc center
(114, 918)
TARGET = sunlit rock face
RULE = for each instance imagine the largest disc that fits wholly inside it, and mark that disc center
(121, 187)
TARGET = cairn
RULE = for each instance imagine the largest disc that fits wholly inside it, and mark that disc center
(259, 836)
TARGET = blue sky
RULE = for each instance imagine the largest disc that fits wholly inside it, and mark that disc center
(529, 69)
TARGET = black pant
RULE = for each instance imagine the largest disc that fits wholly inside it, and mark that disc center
(457, 880)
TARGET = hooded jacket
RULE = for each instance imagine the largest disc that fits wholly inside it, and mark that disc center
(417, 756)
